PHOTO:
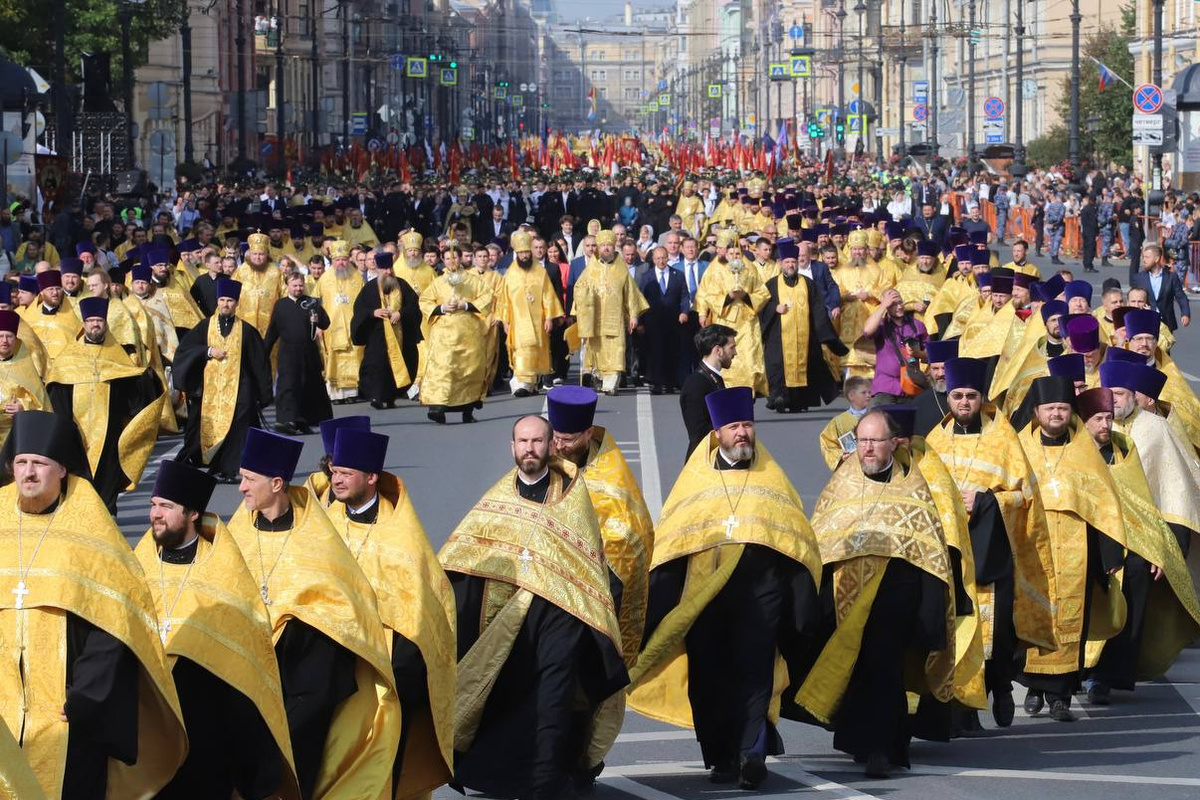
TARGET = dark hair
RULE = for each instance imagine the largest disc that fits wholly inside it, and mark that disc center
(713, 336)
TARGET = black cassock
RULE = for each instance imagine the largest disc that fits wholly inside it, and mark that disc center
(204, 292)
(931, 407)
(127, 397)
(254, 391)
(822, 386)
(769, 605)
(533, 730)
(317, 675)
(229, 744)
(300, 395)
(375, 379)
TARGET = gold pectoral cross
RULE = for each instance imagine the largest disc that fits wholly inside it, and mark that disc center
(730, 523)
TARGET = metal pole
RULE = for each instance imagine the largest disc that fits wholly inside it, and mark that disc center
(879, 90)
(1073, 127)
(126, 17)
(1156, 176)
(1019, 134)
(185, 41)
(316, 79)
(971, 81)
(903, 78)
(933, 81)
(841, 109)
(279, 86)
(861, 9)
(239, 42)
(63, 118)
(346, 74)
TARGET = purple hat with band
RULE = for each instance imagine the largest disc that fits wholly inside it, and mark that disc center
(330, 428)
(966, 373)
(1079, 289)
(1069, 365)
(1118, 375)
(1084, 333)
(49, 279)
(726, 406)
(1053, 308)
(571, 409)
(941, 351)
(270, 454)
(1142, 321)
(357, 449)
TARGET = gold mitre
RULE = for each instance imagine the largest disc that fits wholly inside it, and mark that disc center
(857, 238)
(339, 249)
(412, 241)
(726, 238)
(522, 242)
(259, 243)
(605, 237)
(874, 237)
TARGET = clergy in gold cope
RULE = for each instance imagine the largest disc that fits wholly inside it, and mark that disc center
(606, 307)
(884, 549)
(733, 598)
(732, 294)
(116, 404)
(338, 288)
(373, 512)
(1087, 538)
(73, 601)
(529, 309)
(1163, 614)
(21, 388)
(540, 674)
(262, 283)
(329, 641)
(217, 637)
(55, 323)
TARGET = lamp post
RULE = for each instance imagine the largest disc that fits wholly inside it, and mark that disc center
(1019, 139)
(239, 42)
(879, 89)
(860, 8)
(185, 44)
(126, 19)
(971, 83)
(280, 121)
(1073, 127)
(841, 109)
(1156, 182)
(903, 77)
(933, 81)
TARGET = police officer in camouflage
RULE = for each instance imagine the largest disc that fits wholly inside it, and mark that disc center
(1056, 215)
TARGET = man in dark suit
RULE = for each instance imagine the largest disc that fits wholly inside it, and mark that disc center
(1164, 287)
(1089, 229)
(932, 226)
(500, 229)
(665, 290)
(551, 208)
(692, 267)
(717, 345)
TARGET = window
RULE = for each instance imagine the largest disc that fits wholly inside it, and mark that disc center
(632, 55)
(599, 55)
(303, 19)
(631, 93)
(602, 92)
(598, 74)
(564, 91)
(632, 74)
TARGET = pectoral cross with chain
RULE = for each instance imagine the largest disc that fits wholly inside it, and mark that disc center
(164, 629)
(20, 593)
(730, 523)
(266, 596)
(525, 558)
(1053, 485)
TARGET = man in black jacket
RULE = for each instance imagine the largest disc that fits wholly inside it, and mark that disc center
(717, 346)
(300, 396)
(1164, 288)
(1089, 229)
(666, 292)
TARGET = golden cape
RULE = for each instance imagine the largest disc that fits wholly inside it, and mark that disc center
(456, 368)
(627, 530)
(1077, 490)
(1016, 368)
(1171, 469)
(88, 369)
(260, 290)
(992, 334)
(218, 621)
(415, 600)
(17, 781)
(54, 331)
(84, 567)
(1001, 467)
(748, 367)
(524, 303)
(20, 382)
(953, 291)
(342, 357)
(317, 582)
(693, 525)
(859, 535)
(553, 551)
(1185, 407)
(605, 300)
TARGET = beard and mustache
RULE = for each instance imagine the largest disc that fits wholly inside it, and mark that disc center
(388, 283)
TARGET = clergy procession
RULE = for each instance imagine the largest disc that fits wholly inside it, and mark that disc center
(1009, 456)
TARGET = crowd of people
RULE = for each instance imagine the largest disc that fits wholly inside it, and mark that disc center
(1012, 497)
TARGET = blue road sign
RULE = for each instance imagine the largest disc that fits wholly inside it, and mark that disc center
(920, 112)
(358, 123)
(397, 62)
(264, 149)
(1147, 98)
(662, 85)
(801, 66)
(854, 107)
(921, 91)
(796, 32)
(993, 108)
(417, 67)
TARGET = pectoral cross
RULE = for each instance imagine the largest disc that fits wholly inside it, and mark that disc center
(266, 596)
(525, 558)
(164, 629)
(1053, 485)
(730, 523)
(20, 593)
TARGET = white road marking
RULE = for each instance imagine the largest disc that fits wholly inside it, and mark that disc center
(651, 482)
(630, 786)
(1027, 774)
(655, 736)
(1189, 376)
(786, 769)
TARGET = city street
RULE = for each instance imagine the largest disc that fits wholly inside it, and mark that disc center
(1145, 742)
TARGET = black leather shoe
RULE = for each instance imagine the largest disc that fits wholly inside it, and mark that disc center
(725, 772)
(522, 392)
(1034, 702)
(1060, 711)
(753, 771)
(656, 390)
(285, 428)
(437, 416)
(878, 767)
(1003, 708)
(468, 415)
(966, 723)
(1099, 694)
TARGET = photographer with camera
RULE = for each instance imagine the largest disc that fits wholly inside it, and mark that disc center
(899, 340)
(300, 397)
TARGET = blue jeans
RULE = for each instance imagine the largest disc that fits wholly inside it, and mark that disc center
(1124, 226)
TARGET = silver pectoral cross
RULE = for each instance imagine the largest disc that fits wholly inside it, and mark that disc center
(525, 558)
(266, 596)
(164, 629)
(20, 593)
(1053, 485)
(730, 523)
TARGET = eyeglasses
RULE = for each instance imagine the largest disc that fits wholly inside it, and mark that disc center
(862, 441)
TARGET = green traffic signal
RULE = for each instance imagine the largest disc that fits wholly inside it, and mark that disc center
(453, 65)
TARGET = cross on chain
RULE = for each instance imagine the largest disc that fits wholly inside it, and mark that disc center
(1053, 485)
(164, 629)
(525, 558)
(730, 523)
(20, 593)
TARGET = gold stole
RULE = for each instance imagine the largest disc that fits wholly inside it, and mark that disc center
(337, 296)
(628, 533)
(1015, 367)
(392, 335)
(416, 601)
(794, 332)
(217, 620)
(953, 292)
(85, 568)
(1171, 468)
(181, 304)
(260, 290)
(317, 581)
(55, 331)
(17, 781)
(19, 382)
(221, 380)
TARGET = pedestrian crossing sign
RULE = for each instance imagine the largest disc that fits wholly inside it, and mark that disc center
(778, 71)
(499, 93)
(653, 106)
(801, 66)
(856, 123)
(416, 67)
(664, 99)
(714, 90)
(517, 100)
(449, 76)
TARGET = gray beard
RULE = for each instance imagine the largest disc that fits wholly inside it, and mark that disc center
(738, 453)
(388, 283)
(875, 469)
(1122, 412)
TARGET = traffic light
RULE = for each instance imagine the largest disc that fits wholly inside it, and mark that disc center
(815, 131)
(435, 56)
(839, 130)
(502, 84)
(976, 36)
(545, 105)
(453, 65)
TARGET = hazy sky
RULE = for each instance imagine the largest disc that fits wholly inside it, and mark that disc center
(571, 10)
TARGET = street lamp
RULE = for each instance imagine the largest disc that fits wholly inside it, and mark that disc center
(878, 94)
(126, 19)
(903, 79)
(860, 8)
(1073, 137)
(841, 109)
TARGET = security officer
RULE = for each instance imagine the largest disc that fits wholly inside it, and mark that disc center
(1106, 218)
(1000, 200)
(1056, 214)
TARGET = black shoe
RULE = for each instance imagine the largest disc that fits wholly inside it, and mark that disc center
(656, 390)
(966, 723)
(878, 767)
(770, 403)
(1098, 694)
(437, 416)
(285, 428)
(1060, 711)
(725, 772)
(1003, 708)
(304, 430)
(380, 405)
(1034, 702)
(1104, 262)
(468, 415)
(1055, 260)
(1090, 269)
(586, 381)
(522, 392)
(753, 771)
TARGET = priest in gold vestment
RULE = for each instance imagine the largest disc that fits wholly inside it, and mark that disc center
(733, 598)
(862, 283)
(1142, 332)
(51, 317)
(539, 648)
(343, 716)
(456, 308)
(21, 388)
(731, 294)
(262, 283)
(217, 637)
(373, 512)
(1163, 615)
(1007, 526)
(338, 288)
(175, 291)
(1087, 538)
(529, 308)
(606, 307)
(889, 574)
(74, 602)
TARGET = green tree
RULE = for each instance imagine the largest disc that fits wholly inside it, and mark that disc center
(1105, 116)
(1048, 149)
(92, 26)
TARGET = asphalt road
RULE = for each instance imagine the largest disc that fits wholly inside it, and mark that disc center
(1149, 739)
